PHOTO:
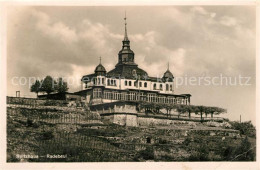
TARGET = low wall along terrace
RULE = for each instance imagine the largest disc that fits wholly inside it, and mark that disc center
(31, 102)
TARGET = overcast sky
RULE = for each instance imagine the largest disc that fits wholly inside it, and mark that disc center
(196, 40)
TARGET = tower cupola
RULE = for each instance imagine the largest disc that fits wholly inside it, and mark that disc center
(126, 55)
(100, 69)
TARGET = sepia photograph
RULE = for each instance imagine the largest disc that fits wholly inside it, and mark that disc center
(169, 83)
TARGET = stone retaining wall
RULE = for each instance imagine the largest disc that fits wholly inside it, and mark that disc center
(35, 102)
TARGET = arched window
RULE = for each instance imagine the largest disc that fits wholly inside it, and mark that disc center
(114, 82)
(167, 87)
(170, 87)
(140, 84)
(135, 83)
(161, 87)
(125, 83)
(154, 86)
(145, 84)
(103, 80)
(130, 83)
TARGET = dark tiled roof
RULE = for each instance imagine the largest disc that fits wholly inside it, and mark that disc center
(127, 71)
(100, 68)
(167, 74)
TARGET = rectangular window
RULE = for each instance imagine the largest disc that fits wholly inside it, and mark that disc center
(123, 96)
(170, 100)
(105, 95)
(114, 95)
(152, 97)
(97, 93)
(149, 97)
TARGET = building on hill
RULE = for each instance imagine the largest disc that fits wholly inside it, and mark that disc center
(128, 82)
(117, 94)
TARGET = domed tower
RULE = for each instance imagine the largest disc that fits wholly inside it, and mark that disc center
(168, 76)
(100, 69)
(126, 55)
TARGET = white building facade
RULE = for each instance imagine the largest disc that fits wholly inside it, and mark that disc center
(128, 82)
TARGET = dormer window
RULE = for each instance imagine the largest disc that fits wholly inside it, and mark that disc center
(134, 72)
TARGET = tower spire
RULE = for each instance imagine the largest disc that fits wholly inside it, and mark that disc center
(100, 60)
(126, 55)
(168, 65)
(125, 38)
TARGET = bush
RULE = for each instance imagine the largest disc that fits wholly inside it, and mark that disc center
(245, 128)
(29, 122)
(244, 152)
(162, 141)
(46, 135)
(147, 154)
(201, 153)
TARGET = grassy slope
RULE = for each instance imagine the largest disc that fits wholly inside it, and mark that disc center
(112, 143)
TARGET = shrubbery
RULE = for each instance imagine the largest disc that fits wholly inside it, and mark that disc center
(146, 154)
(245, 128)
(46, 135)
(243, 152)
